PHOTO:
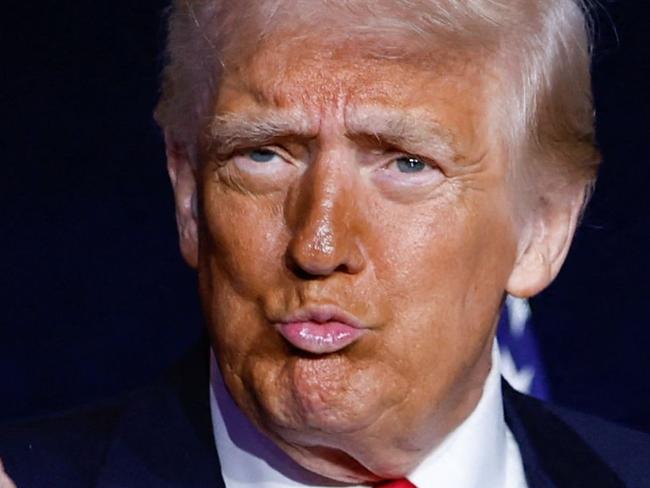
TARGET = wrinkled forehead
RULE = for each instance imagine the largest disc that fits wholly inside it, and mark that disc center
(284, 54)
(336, 45)
(318, 88)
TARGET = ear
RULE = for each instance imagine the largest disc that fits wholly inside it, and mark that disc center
(544, 244)
(183, 177)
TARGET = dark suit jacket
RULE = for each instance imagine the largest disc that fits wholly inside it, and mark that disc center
(162, 437)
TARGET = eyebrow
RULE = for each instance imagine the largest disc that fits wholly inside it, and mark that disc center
(234, 130)
(415, 129)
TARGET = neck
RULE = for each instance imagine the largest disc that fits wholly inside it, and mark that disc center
(246, 454)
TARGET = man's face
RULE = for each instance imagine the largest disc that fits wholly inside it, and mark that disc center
(355, 243)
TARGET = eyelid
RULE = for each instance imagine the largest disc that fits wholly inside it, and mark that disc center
(428, 161)
(248, 149)
(278, 151)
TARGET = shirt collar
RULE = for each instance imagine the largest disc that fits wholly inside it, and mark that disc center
(477, 453)
(474, 454)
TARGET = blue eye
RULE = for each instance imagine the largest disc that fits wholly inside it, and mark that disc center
(261, 155)
(409, 164)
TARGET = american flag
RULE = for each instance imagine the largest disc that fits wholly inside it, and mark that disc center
(521, 363)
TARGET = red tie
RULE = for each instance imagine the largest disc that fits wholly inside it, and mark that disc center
(403, 483)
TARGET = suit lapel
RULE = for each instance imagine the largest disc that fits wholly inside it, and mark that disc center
(164, 437)
(553, 453)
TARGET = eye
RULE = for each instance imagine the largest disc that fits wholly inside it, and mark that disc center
(407, 177)
(262, 162)
(261, 155)
(410, 164)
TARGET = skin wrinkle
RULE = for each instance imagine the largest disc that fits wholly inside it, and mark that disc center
(230, 132)
(510, 34)
(424, 265)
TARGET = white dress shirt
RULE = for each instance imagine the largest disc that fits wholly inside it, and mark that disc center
(479, 453)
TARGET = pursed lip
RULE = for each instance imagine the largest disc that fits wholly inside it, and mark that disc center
(320, 330)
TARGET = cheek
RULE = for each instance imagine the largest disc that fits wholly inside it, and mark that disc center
(243, 239)
(442, 271)
(242, 249)
(443, 267)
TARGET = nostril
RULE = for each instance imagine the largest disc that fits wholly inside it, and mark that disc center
(311, 270)
(299, 271)
(305, 275)
(304, 271)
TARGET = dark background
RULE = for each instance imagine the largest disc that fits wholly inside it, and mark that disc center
(94, 297)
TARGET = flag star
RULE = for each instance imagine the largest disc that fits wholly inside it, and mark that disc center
(520, 379)
(518, 315)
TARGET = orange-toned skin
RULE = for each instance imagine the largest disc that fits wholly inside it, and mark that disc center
(423, 260)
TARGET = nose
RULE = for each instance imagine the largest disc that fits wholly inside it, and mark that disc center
(325, 238)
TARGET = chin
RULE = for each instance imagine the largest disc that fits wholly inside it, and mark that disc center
(323, 397)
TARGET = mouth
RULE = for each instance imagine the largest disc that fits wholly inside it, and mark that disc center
(321, 330)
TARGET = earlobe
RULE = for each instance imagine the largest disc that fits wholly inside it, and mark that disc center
(531, 272)
(183, 178)
(544, 245)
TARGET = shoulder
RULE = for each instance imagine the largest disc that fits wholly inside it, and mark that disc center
(71, 448)
(159, 435)
(576, 446)
(625, 450)
(65, 449)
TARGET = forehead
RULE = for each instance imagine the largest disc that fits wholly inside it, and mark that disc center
(348, 64)
(352, 82)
